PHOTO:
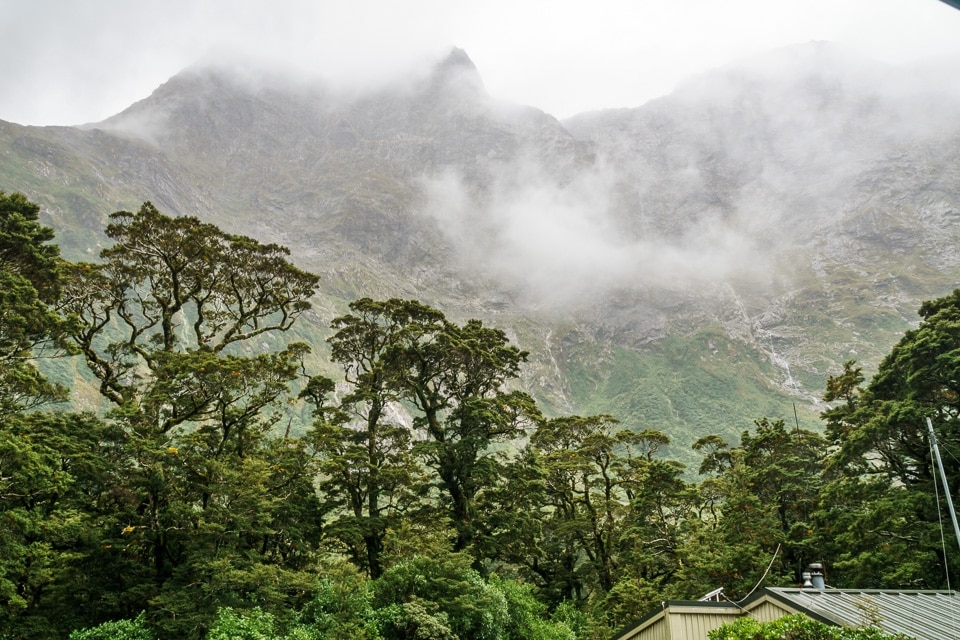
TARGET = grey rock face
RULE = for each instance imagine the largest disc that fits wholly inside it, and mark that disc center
(759, 226)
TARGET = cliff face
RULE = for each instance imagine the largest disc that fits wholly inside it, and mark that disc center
(688, 265)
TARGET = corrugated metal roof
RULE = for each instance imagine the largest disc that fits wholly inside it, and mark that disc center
(924, 615)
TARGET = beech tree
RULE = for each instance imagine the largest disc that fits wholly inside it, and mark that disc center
(764, 495)
(171, 286)
(920, 378)
(56, 494)
(456, 377)
(30, 287)
(881, 502)
(664, 508)
(589, 481)
(368, 460)
(166, 323)
(52, 465)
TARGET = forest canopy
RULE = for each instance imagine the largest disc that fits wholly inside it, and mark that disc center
(429, 496)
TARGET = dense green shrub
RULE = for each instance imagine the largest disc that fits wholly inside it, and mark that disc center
(253, 624)
(135, 629)
(795, 627)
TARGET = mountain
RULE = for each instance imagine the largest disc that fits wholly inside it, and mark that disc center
(689, 265)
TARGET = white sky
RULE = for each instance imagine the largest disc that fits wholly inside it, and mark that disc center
(75, 61)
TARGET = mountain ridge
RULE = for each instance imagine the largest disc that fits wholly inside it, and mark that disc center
(689, 265)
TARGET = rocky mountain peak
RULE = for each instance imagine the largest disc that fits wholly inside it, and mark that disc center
(456, 78)
(756, 227)
(457, 59)
(220, 93)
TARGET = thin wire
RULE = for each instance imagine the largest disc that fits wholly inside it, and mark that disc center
(943, 541)
(943, 447)
(764, 576)
(736, 604)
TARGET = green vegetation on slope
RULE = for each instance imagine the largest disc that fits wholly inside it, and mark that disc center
(684, 386)
(184, 512)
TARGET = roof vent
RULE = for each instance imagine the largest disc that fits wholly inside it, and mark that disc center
(815, 577)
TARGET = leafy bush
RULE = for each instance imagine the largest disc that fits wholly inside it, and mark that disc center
(433, 597)
(135, 629)
(254, 624)
(528, 619)
(795, 627)
(340, 608)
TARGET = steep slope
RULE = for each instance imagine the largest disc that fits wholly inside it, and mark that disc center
(835, 177)
(329, 173)
(687, 265)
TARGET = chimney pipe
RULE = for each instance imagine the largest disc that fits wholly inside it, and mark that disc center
(816, 576)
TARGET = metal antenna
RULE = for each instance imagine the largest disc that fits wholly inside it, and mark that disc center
(943, 477)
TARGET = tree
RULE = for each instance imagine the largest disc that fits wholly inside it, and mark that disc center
(920, 378)
(456, 376)
(55, 494)
(784, 470)
(223, 513)
(30, 286)
(881, 500)
(766, 491)
(341, 607)
(368, 458)
(53, 467)
(527, 616)
(664, 509)
(176, 286)
(438, 597)
(589, 479)
(253, 624)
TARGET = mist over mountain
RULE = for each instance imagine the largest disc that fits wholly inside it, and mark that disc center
(687, 265)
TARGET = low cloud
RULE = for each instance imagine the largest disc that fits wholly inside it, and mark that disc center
(567, 244)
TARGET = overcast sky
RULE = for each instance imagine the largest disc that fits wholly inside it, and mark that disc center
(76, 61)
